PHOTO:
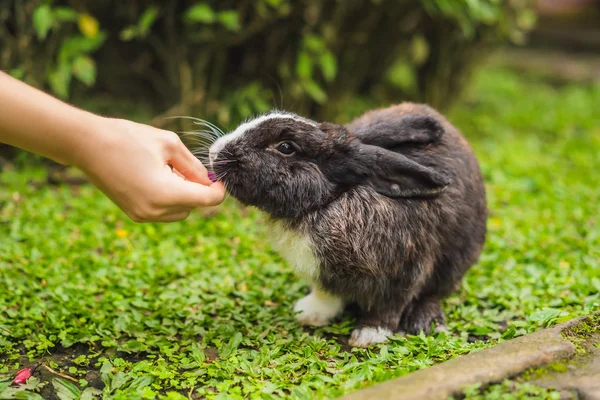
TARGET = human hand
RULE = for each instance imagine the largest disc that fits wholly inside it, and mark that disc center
(131, 163)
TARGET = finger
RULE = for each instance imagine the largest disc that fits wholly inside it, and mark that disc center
(188, 165)
(173, 217)
(191, 194)
(171, 170)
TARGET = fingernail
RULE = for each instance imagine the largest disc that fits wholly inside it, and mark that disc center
(211, 176)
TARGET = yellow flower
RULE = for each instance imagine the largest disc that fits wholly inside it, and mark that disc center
(495, 222)
(88, 25)
(122, 233)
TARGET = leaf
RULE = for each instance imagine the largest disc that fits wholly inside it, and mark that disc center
(60, 80)
(75, 46)
(315, 92)
(42, 21)
(141, 382)
(18, 73)
(142, 27)
(420, 49)
(84, 69)
(119, 380)
(314, 43)
(197, 353)
(147, 20)
(230, 347)
(88, 25)
(129, 33)
(328, 66)
(545, 316)
(106, 369)
(22, 376)
(304, 65)
(65, 390)
(90, 393)
(27, 396)
(509, 333)
(65, 14)
(230, 20)
(148, 393)
(134, 346)
(175, 396)
(526, 19)
(200, 13)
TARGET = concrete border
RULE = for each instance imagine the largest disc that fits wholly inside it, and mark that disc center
(502, 361)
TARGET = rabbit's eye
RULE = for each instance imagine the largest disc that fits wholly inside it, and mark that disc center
(286, 148)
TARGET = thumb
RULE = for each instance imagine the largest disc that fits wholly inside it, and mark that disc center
(192, 194)
(189, 166)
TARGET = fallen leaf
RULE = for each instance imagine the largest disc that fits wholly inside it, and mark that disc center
(22, 376)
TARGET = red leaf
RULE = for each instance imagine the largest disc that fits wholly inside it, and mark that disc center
(22, 376)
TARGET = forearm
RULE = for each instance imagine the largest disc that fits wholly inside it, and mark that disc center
(147, 172)
(40, 123)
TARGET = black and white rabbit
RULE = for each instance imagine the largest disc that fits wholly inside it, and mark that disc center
(386, 213)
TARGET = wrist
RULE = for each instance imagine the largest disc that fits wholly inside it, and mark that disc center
(94, 134)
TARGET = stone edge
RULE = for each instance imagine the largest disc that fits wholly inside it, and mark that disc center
(490, 365)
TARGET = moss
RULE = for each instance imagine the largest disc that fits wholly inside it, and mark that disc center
(537, 373)
(509, 389)
(580, 333)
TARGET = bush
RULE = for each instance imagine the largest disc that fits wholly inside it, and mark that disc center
(228, 59)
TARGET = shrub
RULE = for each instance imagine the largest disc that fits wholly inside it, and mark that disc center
(228, 59)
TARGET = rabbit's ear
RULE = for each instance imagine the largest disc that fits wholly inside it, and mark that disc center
(397, 131)
(376, 158)
(383, 164)
(394, 175)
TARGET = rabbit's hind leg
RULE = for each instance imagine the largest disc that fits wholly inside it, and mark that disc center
(421, 313)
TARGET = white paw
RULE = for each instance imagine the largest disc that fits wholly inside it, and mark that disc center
(318, 308)
(364, 337)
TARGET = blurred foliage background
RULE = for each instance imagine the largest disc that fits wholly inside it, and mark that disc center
(226, 60)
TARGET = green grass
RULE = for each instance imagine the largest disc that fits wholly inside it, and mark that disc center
(203, 308)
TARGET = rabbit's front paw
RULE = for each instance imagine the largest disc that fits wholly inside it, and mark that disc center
(318, 308)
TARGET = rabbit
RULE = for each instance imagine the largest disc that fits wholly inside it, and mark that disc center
(385, 214)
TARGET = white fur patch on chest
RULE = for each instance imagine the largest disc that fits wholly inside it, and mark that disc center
(297, 250)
